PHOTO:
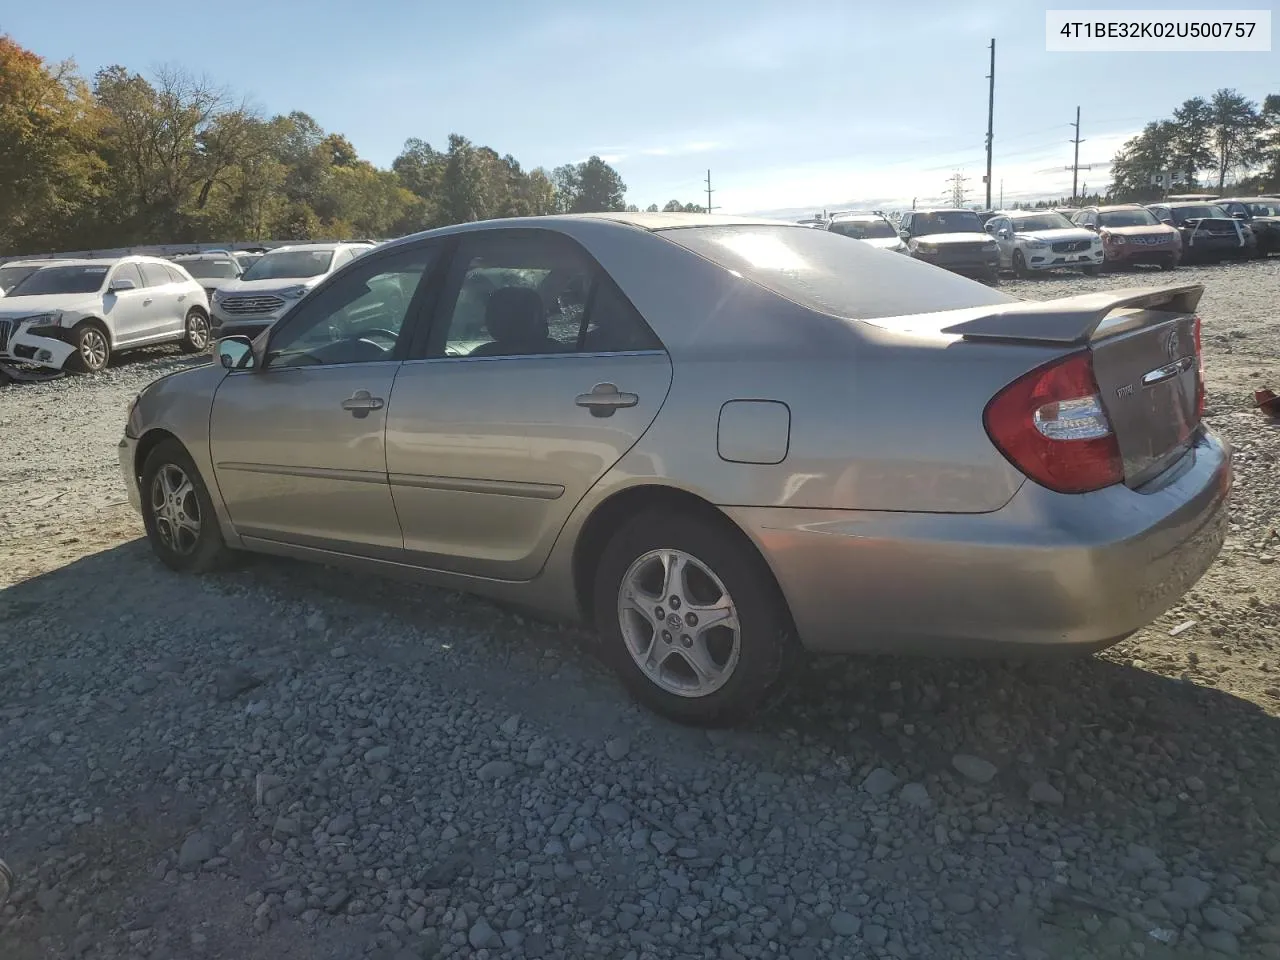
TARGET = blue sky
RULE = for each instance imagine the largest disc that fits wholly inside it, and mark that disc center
(793, 105)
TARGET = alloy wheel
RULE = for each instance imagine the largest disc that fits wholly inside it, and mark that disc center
(679, 623)
(93, 349)
(176, 508)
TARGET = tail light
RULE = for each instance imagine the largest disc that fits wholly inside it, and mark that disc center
(1051, 425)
(1199, 372)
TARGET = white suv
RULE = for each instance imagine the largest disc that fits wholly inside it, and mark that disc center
(279, 279)
(1034, 242)
(77, 313)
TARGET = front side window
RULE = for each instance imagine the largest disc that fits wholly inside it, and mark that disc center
(1266, 208)
(128, 271)
(363, 317)
(290, 265)
(85, 278)
(529, 293)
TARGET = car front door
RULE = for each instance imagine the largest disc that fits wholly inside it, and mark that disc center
(536, 377)
(298, 444)
(126, 311)
(164, 319)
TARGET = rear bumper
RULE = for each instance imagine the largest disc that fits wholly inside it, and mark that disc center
(1047, 571)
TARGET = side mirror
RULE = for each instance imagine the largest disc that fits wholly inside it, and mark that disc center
(1240, 216)
(1003, 234)
(235, 353)
(1167, 220)
(121, 284)
(904, 234)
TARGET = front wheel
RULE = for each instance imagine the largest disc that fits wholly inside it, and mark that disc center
(195, 337)
(178, 513)
(691, 619)
(1169, 263)
(1020, 265)
(93, 349)
(1091, 271)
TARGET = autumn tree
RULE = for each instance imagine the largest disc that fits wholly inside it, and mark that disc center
(50, 172)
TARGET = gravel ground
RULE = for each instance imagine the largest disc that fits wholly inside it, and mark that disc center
(289, 761)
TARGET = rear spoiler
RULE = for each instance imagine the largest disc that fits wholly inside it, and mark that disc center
(1073, 320)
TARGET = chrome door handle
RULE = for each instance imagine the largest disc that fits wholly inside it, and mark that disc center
(146, 302)
(361, 404)
(181, 297)
(605, 398)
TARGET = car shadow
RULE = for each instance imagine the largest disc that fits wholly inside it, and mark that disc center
(1132, 757)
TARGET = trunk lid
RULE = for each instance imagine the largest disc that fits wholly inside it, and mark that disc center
(1146, 361)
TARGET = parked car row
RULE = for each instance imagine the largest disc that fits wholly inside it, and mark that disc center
(71, 314)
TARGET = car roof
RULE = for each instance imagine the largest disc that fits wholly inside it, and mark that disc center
(1246, 199)
(332, 245)
(33, 262)
(1117, 206)
(203, 256)
(836, 217)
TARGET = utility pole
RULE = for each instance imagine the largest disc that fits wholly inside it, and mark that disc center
(1002, 193)
(991, 114)
(709, 192)
(957, 188)
(1075, 163)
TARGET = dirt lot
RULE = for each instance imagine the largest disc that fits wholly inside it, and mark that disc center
(288, 761)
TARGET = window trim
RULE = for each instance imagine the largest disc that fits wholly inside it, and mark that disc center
(145, 282)
(420, 305)
(432, 333)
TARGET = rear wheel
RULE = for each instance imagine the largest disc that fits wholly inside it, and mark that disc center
(178, 513)
(93, 347)
(1020, 265)
(195, 338)
(691, 619)
(1169, 263)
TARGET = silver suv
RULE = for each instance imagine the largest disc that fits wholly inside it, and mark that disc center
(279, 279)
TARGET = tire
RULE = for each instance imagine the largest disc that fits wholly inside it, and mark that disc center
(169, 468)
(195, 337)
(1169, 263)
(93, 347)
(1089, 271)
(747, 666)
(992, 277)
(1020, 265)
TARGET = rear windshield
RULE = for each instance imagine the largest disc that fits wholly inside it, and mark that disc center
(1205, 211)
(1127, 218)
(11, 276)
(290, 264)
(215, 269)
(946, 221)
(52, 280)
(864, 229)
(825, 272)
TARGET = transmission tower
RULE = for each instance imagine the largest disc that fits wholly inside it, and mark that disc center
(957, 182)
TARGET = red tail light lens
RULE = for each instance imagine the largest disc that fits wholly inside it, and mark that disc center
(1199, 373)
(1051, 425)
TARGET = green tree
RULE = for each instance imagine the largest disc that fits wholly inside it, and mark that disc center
(1269, 149)
(1190, 147)
(1139, 160)
(1236, 132)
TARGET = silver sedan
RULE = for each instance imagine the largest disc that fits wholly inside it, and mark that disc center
(722, 441)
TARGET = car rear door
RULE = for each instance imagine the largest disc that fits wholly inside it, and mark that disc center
(299, 445)
(536, 377)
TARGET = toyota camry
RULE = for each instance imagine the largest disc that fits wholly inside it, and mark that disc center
(722, 441)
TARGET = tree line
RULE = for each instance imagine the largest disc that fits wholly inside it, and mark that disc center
(1207, 144)
(124, 159)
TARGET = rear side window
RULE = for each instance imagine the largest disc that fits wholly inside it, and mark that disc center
(824, 272)
(175, 275)
(154, 274)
